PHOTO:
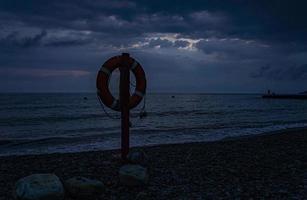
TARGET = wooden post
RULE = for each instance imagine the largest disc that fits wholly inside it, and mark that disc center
(124, 97)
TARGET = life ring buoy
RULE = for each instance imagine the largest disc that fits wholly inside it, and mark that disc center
(103, 77)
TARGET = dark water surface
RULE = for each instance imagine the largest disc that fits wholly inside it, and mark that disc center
(46, 123)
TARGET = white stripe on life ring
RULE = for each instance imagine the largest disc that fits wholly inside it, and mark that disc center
(138, 93)
(105, 70)
(114, 104)
(134, 65)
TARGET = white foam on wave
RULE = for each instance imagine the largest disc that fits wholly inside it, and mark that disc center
(156, 138)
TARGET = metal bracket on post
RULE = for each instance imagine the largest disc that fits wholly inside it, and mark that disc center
(124, 96)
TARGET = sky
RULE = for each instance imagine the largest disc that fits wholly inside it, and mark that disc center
(234, 46)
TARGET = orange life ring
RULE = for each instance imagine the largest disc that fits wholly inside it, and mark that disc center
(102, 83)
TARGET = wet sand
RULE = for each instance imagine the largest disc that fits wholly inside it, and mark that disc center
(268, 166)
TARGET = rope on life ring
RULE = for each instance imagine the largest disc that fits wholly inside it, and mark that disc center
(103, 77)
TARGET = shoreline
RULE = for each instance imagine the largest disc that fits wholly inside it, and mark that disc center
(271, 166)
(230, 138)
(281, 131)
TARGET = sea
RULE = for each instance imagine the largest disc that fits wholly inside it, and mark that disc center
(59, 123)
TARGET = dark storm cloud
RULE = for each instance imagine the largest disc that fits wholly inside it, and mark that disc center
(235, 48)
(292, 73)
(16, 40)
(160, 42)
(12, 40)
(247, 19)
(65, 43)
(104, 17)
(181, 43)
(282, 20)
(261, 19)
(197, 42)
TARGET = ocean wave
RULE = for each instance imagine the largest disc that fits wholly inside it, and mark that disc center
(94, 143)
(49, 141)
(39, 119)
(45, 123)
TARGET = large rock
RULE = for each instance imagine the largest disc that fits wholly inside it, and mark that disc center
(142, 196)
(83, 188)
(137, 157)
(39, 187)
(133, 175)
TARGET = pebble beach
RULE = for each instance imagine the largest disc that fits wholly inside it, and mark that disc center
(267, 166)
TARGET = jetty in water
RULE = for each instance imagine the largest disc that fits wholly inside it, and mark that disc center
(269, 95)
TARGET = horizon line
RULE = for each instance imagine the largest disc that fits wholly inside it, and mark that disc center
(87, 92)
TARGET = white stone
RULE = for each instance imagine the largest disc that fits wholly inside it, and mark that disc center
(82, 188)
(137, 157)
(39, 187)
(133, 175)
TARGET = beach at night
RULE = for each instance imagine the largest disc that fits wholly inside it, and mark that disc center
(271, 166)
(134, 99)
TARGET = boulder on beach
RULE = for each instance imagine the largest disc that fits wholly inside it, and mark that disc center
(39, 187)
(83, 188)
(133, 175)
(137, 157)
(142, 196)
